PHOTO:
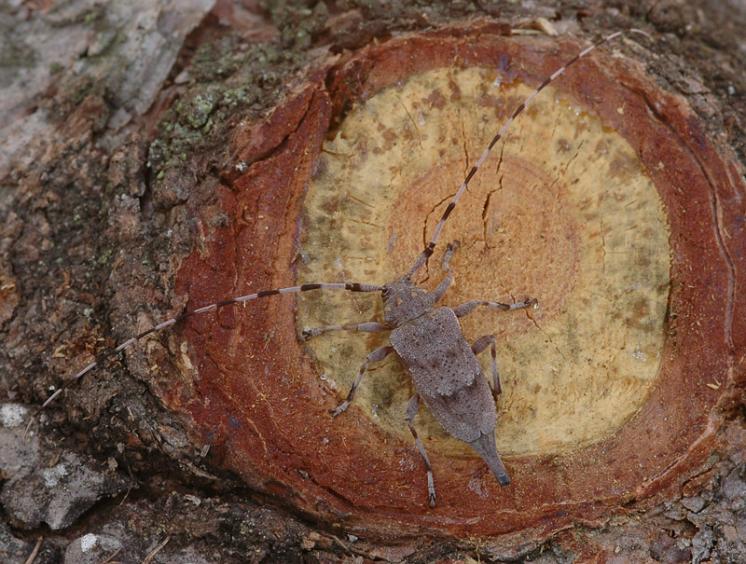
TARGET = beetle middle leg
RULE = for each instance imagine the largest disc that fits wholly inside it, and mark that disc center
(377, 355)
(480, 345)
(412, 408)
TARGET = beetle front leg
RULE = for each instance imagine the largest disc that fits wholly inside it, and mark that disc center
(468, 307)
(479, 345)
(441, 289)
(375, 356)
(412, 408)
(438, 292)
(367, 327)
(445, 262)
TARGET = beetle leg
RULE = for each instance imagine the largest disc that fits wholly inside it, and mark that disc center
(479, 345)
(367, 326)
(445, 262)
(468, 307)
(441, 289)
(412, 408)
(378, 354)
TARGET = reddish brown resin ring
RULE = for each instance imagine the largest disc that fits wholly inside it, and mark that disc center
(253, 390)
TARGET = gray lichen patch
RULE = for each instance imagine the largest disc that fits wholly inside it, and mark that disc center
(562, 211)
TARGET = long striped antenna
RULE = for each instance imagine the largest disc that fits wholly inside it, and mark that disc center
(430, 248)
(349, 286)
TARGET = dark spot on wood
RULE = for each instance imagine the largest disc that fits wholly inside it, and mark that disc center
(436, 99)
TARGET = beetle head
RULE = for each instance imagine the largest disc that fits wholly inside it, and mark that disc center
(403, 301)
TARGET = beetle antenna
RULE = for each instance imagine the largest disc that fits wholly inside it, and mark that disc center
(349, 286)
(425, 255)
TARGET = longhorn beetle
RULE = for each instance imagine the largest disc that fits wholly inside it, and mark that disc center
(445, 370)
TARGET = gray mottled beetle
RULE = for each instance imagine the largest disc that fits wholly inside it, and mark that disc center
(446, 373)
(445, 370)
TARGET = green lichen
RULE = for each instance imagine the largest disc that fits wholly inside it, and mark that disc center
(216, 60)
(228, 78)
(194, 112)
(236, 97)
(298, 23)
(91, 17)
(105, 256)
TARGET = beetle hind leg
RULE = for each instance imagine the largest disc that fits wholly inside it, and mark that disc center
(468, 307)
(412, 408)
(480, 345)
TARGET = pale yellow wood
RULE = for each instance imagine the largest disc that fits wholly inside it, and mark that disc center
(569, 217)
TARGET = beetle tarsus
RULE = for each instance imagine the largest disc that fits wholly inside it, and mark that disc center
(340, 409)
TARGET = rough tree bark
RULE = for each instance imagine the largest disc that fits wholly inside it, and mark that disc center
(120, 124)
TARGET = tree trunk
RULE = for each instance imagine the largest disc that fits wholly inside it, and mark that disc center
(159, 156)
